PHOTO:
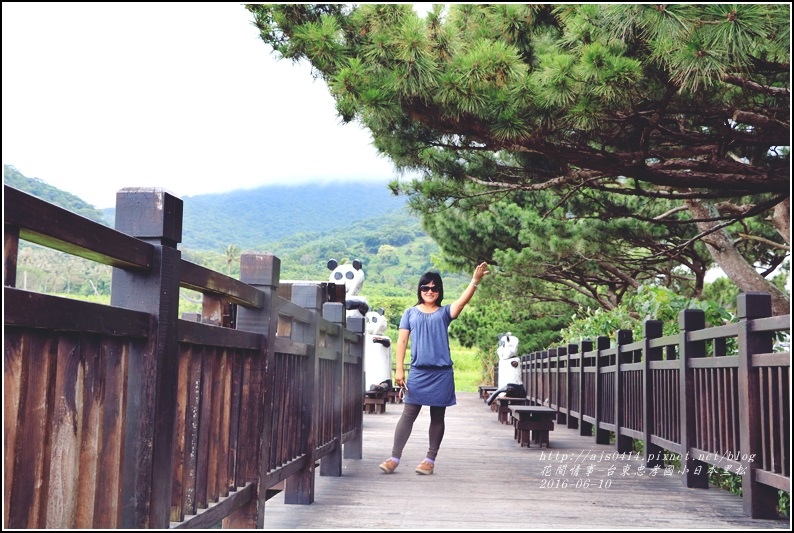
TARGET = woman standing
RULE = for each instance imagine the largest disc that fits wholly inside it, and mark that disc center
(431, 380)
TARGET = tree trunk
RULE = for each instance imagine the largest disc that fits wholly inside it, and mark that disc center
(732, 263)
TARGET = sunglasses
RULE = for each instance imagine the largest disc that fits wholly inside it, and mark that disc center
(426, 288)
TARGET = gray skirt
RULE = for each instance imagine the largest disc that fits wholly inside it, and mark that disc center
(431, 386)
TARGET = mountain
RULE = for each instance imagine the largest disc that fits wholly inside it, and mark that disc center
(53, 195)
(251, 218)
(247, 219)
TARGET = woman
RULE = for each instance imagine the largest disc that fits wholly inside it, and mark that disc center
(431, 380)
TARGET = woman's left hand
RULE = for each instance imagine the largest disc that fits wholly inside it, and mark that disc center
(480, 271)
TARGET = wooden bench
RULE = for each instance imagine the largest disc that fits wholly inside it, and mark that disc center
(503, 404)
(486, 391)
(535, 418)
(375, 402)
(394, 395)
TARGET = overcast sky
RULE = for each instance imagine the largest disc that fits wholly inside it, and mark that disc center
(186, 97)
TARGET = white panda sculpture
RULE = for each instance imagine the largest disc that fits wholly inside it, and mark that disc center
(377, 350)
(510, 382)
(509, 363)
(352, 276)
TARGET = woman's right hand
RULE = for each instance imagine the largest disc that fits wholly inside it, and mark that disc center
(399, 377)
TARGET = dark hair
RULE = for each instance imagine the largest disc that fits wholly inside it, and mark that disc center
(426, 278)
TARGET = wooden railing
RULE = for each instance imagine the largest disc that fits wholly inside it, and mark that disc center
(718, 396)
(126, 416)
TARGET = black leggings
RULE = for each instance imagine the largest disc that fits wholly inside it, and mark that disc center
(406, 424)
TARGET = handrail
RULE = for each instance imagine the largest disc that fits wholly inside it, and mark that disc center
(135, 418)
(42, 223)
(684, 394)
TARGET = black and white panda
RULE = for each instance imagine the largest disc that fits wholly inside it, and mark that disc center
(352, 275)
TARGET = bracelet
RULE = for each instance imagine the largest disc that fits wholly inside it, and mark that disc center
(472, 283)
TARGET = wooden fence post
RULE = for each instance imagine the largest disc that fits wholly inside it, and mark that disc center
(759, 500)
(526, 373)
(623, 443)
(551, 367)
(331, 464)
(695, 473)
(570, 421)
(299, 488)
(545, 376)
(540, 377)
(554, 360)
(585, 428)
(652, 329)
(261, 271)
(601, 435)
(561, 356)
(154, 216)
(354, 448)
(10, 255)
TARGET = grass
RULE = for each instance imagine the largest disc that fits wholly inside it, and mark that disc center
(468, 368)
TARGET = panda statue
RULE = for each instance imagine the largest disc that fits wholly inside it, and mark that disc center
(352, 276)
(509, 363)
(377, 352)
(510, 381)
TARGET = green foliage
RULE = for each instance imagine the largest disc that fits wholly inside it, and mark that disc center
(722, 292)
(49, 271)
(649, 303)
(784, 503)
(571, 144)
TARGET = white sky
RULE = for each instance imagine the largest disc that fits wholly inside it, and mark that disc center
(186, 97)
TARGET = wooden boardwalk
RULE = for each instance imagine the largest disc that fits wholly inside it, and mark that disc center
(485, 480)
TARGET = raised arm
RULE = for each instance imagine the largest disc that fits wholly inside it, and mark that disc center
(457, 306)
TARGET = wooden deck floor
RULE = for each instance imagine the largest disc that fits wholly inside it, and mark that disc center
(485, 480)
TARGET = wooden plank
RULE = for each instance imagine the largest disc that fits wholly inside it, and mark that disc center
(199, 278)
(236, 377)
(15, 348)
(225, 404)
(214, 453)
(784, 390)
(210, 517)
(31, 466)
(92, 395)
(64, 447)
(10, 255)
(43, 311)
(60, 229)
(180, 434)
(193, 422)
(205, 428)
(114, 359)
